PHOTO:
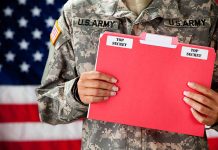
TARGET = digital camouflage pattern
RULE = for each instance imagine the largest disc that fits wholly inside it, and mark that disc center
(82, 21)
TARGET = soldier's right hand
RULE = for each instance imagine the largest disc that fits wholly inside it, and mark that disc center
(95, 86)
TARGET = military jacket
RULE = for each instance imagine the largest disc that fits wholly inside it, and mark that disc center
(74, 52)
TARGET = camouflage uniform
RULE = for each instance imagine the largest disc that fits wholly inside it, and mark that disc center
(81, 22)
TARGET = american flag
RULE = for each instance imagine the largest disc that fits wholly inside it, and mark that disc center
(25, 26)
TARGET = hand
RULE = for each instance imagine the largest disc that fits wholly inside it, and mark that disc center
(95, 87)
(204, 106)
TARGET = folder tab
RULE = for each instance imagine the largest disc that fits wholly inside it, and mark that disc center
(158, 40)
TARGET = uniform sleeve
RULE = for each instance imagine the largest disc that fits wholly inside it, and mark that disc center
(215, 73)
(56, 101)
(215, 44)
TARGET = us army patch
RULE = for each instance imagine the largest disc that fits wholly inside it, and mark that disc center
(191, 23)
(100, 23)
(56, 31)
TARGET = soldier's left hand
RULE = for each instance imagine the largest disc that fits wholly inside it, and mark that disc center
(204, 105)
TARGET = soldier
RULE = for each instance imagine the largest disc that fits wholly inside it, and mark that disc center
(69, 83)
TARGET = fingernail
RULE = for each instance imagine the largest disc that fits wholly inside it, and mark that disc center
(105, 98)
(191, 84)
(185, 99)
(185, 93)
(192, 110)
(113, 93)
(114, 88)
(114, 80)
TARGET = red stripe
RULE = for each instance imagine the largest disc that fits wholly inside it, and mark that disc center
(19, 113)
(42, 145)
(213, 143)
(65, 145)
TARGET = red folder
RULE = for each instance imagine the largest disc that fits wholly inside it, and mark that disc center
(152, 72)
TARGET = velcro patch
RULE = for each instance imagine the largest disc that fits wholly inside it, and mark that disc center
(56, 31)
(188, 23)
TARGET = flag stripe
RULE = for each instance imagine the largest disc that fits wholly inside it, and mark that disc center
(18, 95)
(39, 131)
(42, 145)
(213, 143)
(19, 113)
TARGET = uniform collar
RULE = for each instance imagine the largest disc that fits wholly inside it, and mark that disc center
(157, 8)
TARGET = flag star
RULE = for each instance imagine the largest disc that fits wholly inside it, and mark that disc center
(24, 67)
(24, 45)
(60, 10)
(22, 22)
(8, 11)
(48, 43)
(37, 56)
(22, 2)
(36, 11)
(37, 34)
(50, 2)
(9, 34)
(49, 22)
(10, 56)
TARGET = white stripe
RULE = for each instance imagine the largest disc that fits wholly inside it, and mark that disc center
(212, 133)
(40, 131)
(43, 132)
(18, 95)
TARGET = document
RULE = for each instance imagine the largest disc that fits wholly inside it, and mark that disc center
(152, 72)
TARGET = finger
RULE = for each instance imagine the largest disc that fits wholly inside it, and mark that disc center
(202, 89)
(200, 118)
(199, 107)
(200, 99)
(95, 75)
(97, 92)
(98, 84)
(94, 99)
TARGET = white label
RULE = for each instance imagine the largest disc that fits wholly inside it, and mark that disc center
(196, 53)
(119, 42)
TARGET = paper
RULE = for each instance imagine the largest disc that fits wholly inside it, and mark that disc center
(152, 78)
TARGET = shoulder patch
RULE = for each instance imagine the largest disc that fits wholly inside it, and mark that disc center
(56, 31)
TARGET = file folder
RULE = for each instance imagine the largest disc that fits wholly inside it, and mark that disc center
(152, 72)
